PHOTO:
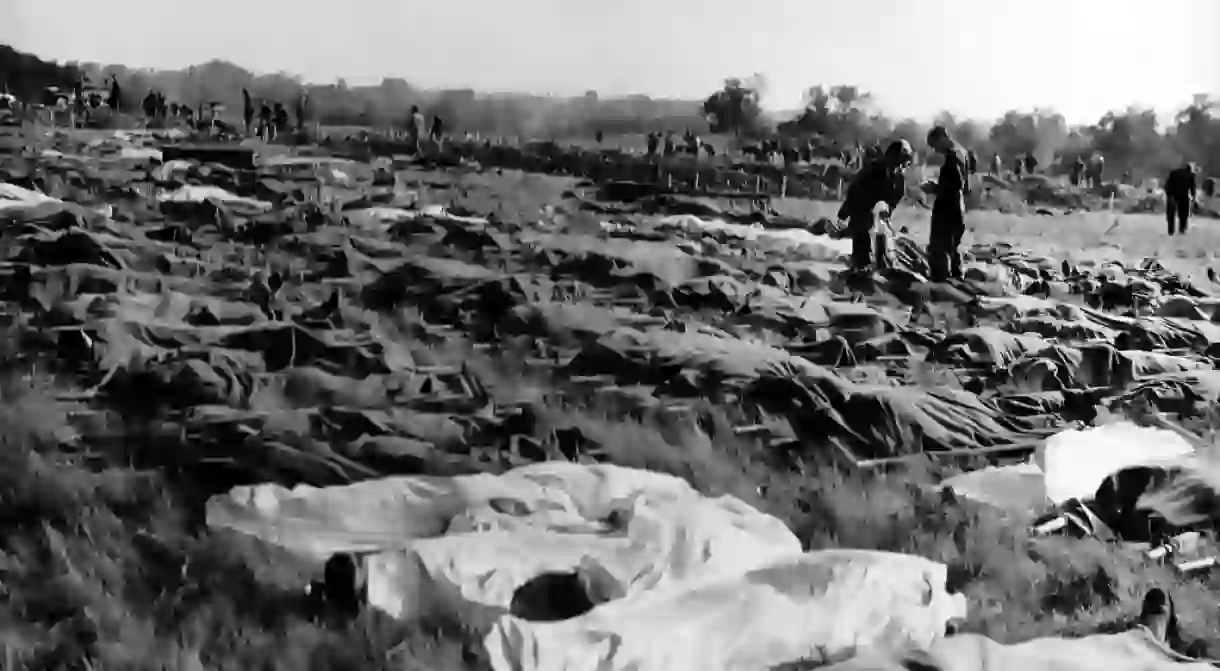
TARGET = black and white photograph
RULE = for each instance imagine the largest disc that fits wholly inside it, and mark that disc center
(542, 335)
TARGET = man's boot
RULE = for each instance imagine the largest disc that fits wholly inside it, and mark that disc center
(1157, 614)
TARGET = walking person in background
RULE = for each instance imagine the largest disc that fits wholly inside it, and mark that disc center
(247, 110)
(997, 166)
(1031, 164)
(116, 95)
(302, 101)
(280, 118)
(949, 209)
(416, 129)
(149, 104)
(438, 129)
(1180, 196)
(264, 122)
(879, 181)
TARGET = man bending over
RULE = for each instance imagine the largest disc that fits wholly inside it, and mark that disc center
(877, 182)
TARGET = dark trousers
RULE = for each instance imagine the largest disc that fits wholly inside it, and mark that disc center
(1178, 208)
(861, 227)
(948, 227)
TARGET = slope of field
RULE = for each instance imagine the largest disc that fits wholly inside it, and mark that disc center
(174, 331)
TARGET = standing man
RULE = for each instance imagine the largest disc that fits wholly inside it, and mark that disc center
(437, 132)
(265, 130)
(878, 181)
(247, 110)
(280, 118)
(1098, 171)
(416, 129)
(1077, 173)
(116, 95)
(301, 102)
(1180, 195)
(997, 166)
(949, 208)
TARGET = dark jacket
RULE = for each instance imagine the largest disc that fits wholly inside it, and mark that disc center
(1180, 185)
(954, 181)
(875, 183)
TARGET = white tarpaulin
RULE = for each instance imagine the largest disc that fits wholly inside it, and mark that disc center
(685, 573)
(15, 197)
(1134, 650)
(1075, 463)
(818, 247)
(816, 606)
(1072, 464)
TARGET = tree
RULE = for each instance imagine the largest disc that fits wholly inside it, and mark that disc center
(840, 113)
(1130, 141)
(1197, 134)
(735, 108)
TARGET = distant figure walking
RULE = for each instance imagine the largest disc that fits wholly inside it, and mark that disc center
(1180, 196)
(692, 145)
(654, 139)
(281, 118)
(149, 104)
(997, 166)
(1077, 174)
(415, 130)
(247, 110)
(1031, 164)
(302, 101)
(438, 129)
(116, 95)
(1097, 170)
(265, 131)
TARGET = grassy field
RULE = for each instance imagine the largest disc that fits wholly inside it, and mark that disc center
(1097, 236)
(103, 556)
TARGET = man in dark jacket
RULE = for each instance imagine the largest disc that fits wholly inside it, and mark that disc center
(949, 208)
(877, 182)
(1180, 195)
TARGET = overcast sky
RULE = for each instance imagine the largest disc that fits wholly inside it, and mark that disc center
(976, 58)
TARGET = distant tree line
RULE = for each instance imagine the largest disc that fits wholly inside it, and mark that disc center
(1131, 140)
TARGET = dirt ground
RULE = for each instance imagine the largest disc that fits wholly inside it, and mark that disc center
(104, 562)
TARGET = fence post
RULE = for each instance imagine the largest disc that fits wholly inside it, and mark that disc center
(757, 183)
(696, 179)
(783, 186)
